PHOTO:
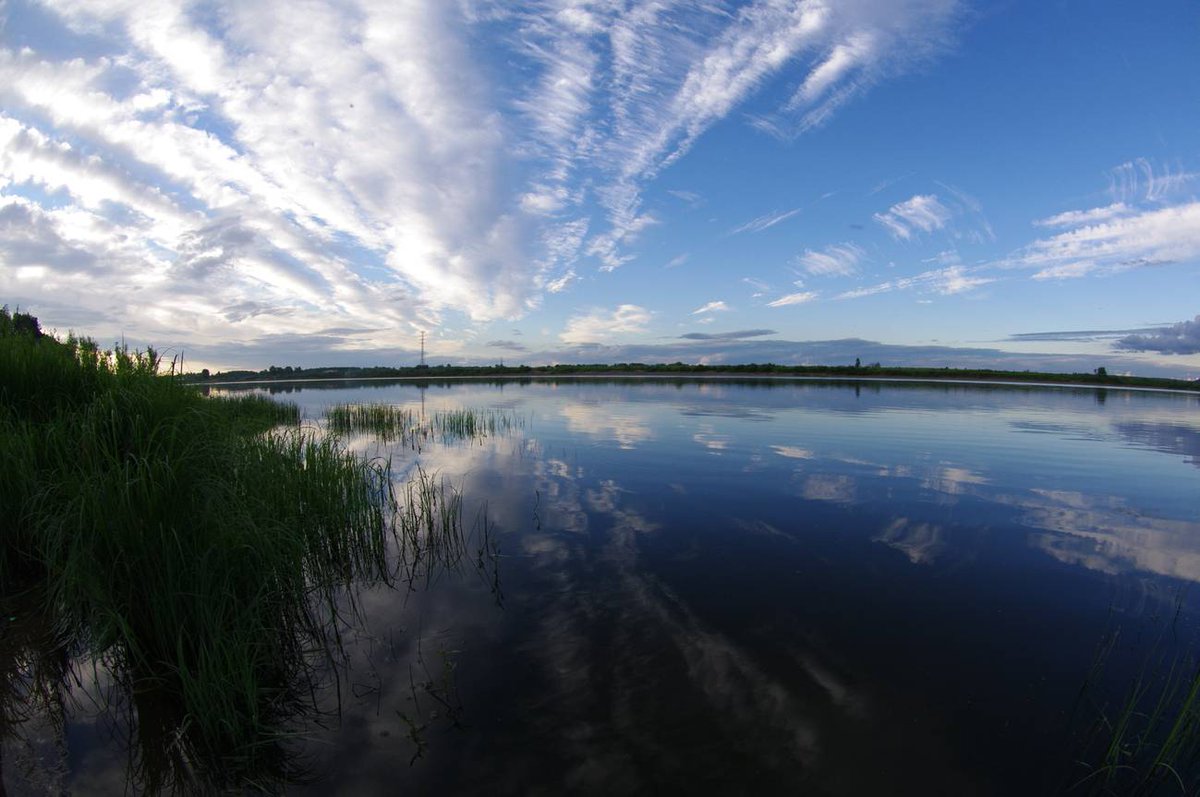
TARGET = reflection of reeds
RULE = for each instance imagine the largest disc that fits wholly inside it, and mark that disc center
(34, 665)
(207, 551)
(432, 537)
(413, 429)
(439, 688)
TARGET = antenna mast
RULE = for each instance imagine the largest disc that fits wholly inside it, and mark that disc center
(422, 348)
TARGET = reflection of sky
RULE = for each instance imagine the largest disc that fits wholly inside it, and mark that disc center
(943, 445)
(606, 423)
(675, 554)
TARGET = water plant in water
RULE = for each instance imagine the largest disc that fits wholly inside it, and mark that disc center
(414, 429)
(1142, 736)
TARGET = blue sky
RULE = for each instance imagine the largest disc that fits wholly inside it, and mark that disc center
(911, 181)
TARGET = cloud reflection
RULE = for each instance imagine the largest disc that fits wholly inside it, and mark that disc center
(1105, 533)
(793, 452)
(1172, 438)
(952, 480)
(922, 543)
(602, 422)
(829, 487)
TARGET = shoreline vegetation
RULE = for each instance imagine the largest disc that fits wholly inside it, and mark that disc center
(195, 558)
(1098, 378)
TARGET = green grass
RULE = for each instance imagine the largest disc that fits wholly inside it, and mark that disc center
(207, 550)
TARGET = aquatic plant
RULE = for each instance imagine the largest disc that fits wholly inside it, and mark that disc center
(389, 423)
(1142, 736)
(383, 420)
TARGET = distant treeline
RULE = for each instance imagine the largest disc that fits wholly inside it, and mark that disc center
(1098, 377)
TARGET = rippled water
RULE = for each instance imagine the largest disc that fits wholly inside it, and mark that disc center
(769, 587)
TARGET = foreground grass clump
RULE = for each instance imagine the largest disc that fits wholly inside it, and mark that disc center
(197, 546)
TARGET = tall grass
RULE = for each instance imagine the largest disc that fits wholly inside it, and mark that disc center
(205, 549)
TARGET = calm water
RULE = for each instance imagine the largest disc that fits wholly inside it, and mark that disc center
(772, 587)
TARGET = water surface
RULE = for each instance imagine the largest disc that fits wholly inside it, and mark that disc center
(762, 587)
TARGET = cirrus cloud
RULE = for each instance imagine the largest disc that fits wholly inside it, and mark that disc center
(836, 260)
(919, 213)
(368, 160)
(800, 297)
(1144, 238)
(712, 307)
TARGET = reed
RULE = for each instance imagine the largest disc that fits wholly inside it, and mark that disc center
(389, 423)
(1143, 734)
(383, 420)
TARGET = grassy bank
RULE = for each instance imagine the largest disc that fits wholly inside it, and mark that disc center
(198, 547)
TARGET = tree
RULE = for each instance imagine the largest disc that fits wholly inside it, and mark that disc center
(857, 363)
(1102, 371)
(26, 324)
(18, 323)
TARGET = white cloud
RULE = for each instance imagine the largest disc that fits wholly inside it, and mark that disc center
(544, 201)
(562, 283)
(765, 221)
(794, 298)
(1152, 222)
(1136, 239)
(607, 246)
(690, 197)
(954, 280)
(599, 326)
(947, 257)
(920, 213)
(1066, 271)
(711, 307)
(277, 160)
(364, 160)
(760, 287)
(835, 260)
(1076, 218)
(943, 281)
(1141, 180)
(675, 69)
(842, 59)
(974, 225)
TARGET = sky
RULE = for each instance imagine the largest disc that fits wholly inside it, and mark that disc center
(913, 182)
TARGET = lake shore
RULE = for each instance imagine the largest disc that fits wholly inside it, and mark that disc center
(953, 377)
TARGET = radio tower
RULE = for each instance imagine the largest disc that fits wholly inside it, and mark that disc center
(422, 348)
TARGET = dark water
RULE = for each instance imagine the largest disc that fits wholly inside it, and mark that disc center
(759, 588)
